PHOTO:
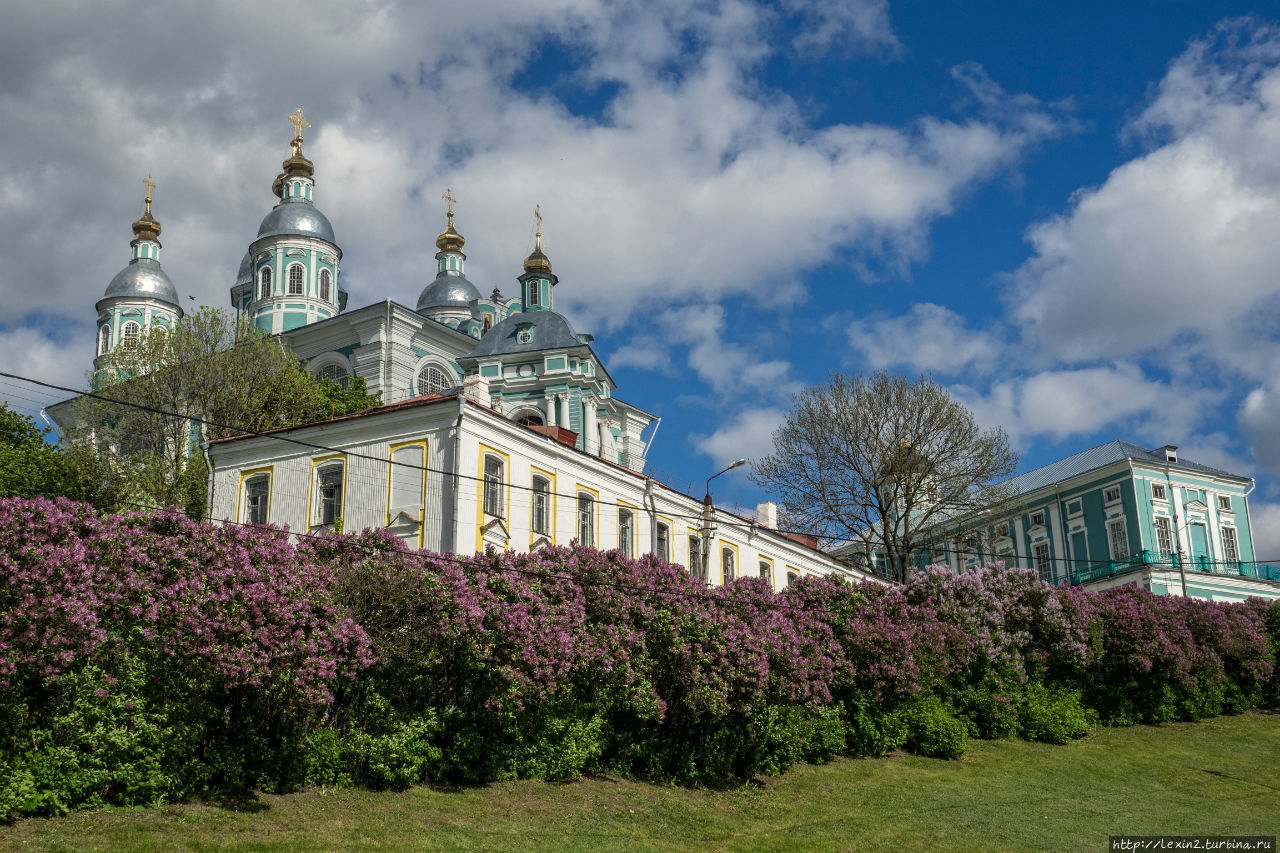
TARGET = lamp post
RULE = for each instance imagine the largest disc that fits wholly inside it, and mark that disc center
(708, 515)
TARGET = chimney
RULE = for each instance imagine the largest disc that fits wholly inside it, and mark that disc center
(1171, 453)
(476, 389)
(767, 515)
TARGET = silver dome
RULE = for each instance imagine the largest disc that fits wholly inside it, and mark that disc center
(449, 290)
(246, 270)
(296, 216)
(143, 278)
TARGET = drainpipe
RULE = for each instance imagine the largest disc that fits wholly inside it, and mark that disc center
(457, 466)
(1248, 519)
(1062, 527)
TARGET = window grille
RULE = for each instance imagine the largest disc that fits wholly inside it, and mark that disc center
(664, 543)
(295, 280)
(586, 520)
(1044, 564)
(1158, 492)
(264, 283)
(727, 568)
(432, 380)
(1164, 535)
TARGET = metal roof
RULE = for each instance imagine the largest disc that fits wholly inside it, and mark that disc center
(142, 278)
(296, 216)
(1100, 457)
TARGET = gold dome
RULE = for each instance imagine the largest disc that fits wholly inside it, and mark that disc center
(537, 261)
(449, 239)
(146, 227)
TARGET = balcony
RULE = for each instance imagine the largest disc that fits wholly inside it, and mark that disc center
(1157, 560)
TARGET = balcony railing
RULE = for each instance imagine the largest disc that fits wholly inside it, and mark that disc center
(1158, 560)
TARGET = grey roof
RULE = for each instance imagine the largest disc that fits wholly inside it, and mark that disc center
(143, 278)
(550, 331)
(245, 275)
(1100, 457)
(296, 216)
(449, 290)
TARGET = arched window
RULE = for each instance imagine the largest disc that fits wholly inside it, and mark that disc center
(541, 516)
(533, 292)
(626, 532)
(264, 283)
(324, 285)
(329, 481)
(129, 334)
(530, 419)
(433, 380)
(727, 567)
(333, 373)
(488, 322)
(295, 280)
(792, 577)
(257, 490)
(586, 520)
(104, 339)
(493, 486)
(664, 543)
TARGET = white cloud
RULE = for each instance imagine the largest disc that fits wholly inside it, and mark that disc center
(749, 435)
(928, 338)
(843, 26)
(1182, 239)
(1063, 403)
(1265, 518)
(729, 368)
(1259, 419)
(30, 353)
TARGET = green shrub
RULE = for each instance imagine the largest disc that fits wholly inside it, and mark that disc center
(986, 715)
(873, 731)
(933, 732)
(1053, 716)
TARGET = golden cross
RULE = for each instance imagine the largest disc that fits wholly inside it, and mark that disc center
(537, 240)
(150, 185)
(447, 195)
(298, 123)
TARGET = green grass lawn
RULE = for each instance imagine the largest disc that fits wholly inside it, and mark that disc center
(1219, 777)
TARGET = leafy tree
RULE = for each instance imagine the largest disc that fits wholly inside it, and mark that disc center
(30, 467)
(884, 460)
(153, 394)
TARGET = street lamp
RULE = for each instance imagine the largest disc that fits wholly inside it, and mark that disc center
(708, 511)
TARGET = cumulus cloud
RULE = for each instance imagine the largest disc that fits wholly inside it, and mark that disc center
(727, 367)
(928, 338)
(1265, 519)
(845, 26)
(749, 435)
(1181, 240)
(29, 352)
(1259, 419)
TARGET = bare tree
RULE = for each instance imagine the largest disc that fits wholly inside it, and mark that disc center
(885, 461)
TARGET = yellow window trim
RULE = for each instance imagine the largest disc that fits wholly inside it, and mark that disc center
(422, 507)
(253, 472)
(550, 536)
(315, 485)
(595, 501)
(737, 564)
(486, 450)
(763, 559)
(635, 526)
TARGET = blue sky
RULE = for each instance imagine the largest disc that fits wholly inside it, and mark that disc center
(1068, 213)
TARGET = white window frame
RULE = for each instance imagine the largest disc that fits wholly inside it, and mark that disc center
(494, 479)
(663, 537)
(1108, 492)
(1164, 534)
(300, 284)
(586, 509)
(695, 556)
(766, 570)
(251, 505)
(330, 495)
(130, 332)
(1230, 544)
(627, 531)
(447, 377)
(1119, 544)
(1158, 492)
(335, 371)
(728, 565)
(326, 281)
(104, 338)
(540, 506)
(264, 283)
(1043, 561)
(1224, 503)
(1038, 518)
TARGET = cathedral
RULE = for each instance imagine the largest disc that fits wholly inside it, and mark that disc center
(499, 425)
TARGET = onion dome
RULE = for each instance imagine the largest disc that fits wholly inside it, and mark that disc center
(299, 217)
(146, 227)
(143, 278)
(245, 275)
(537, 261)
(449, 290)
(449, 239)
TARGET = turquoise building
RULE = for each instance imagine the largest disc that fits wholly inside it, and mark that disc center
(1120, 514)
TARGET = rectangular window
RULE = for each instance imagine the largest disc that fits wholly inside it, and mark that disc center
(1224, 503)
(1158, 493)
(664, 543)
(257, 490)
(407, 475)
(493, 486)
(727, 568)
(695, 557)
(540, 522)
(1230, 545)
(1037, 519)
(1119, 536)
(1111, 495)
(1044, 565)
(1164, 535)
(766, 571)
(330, 485)
(586, 520)
(626, 532)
